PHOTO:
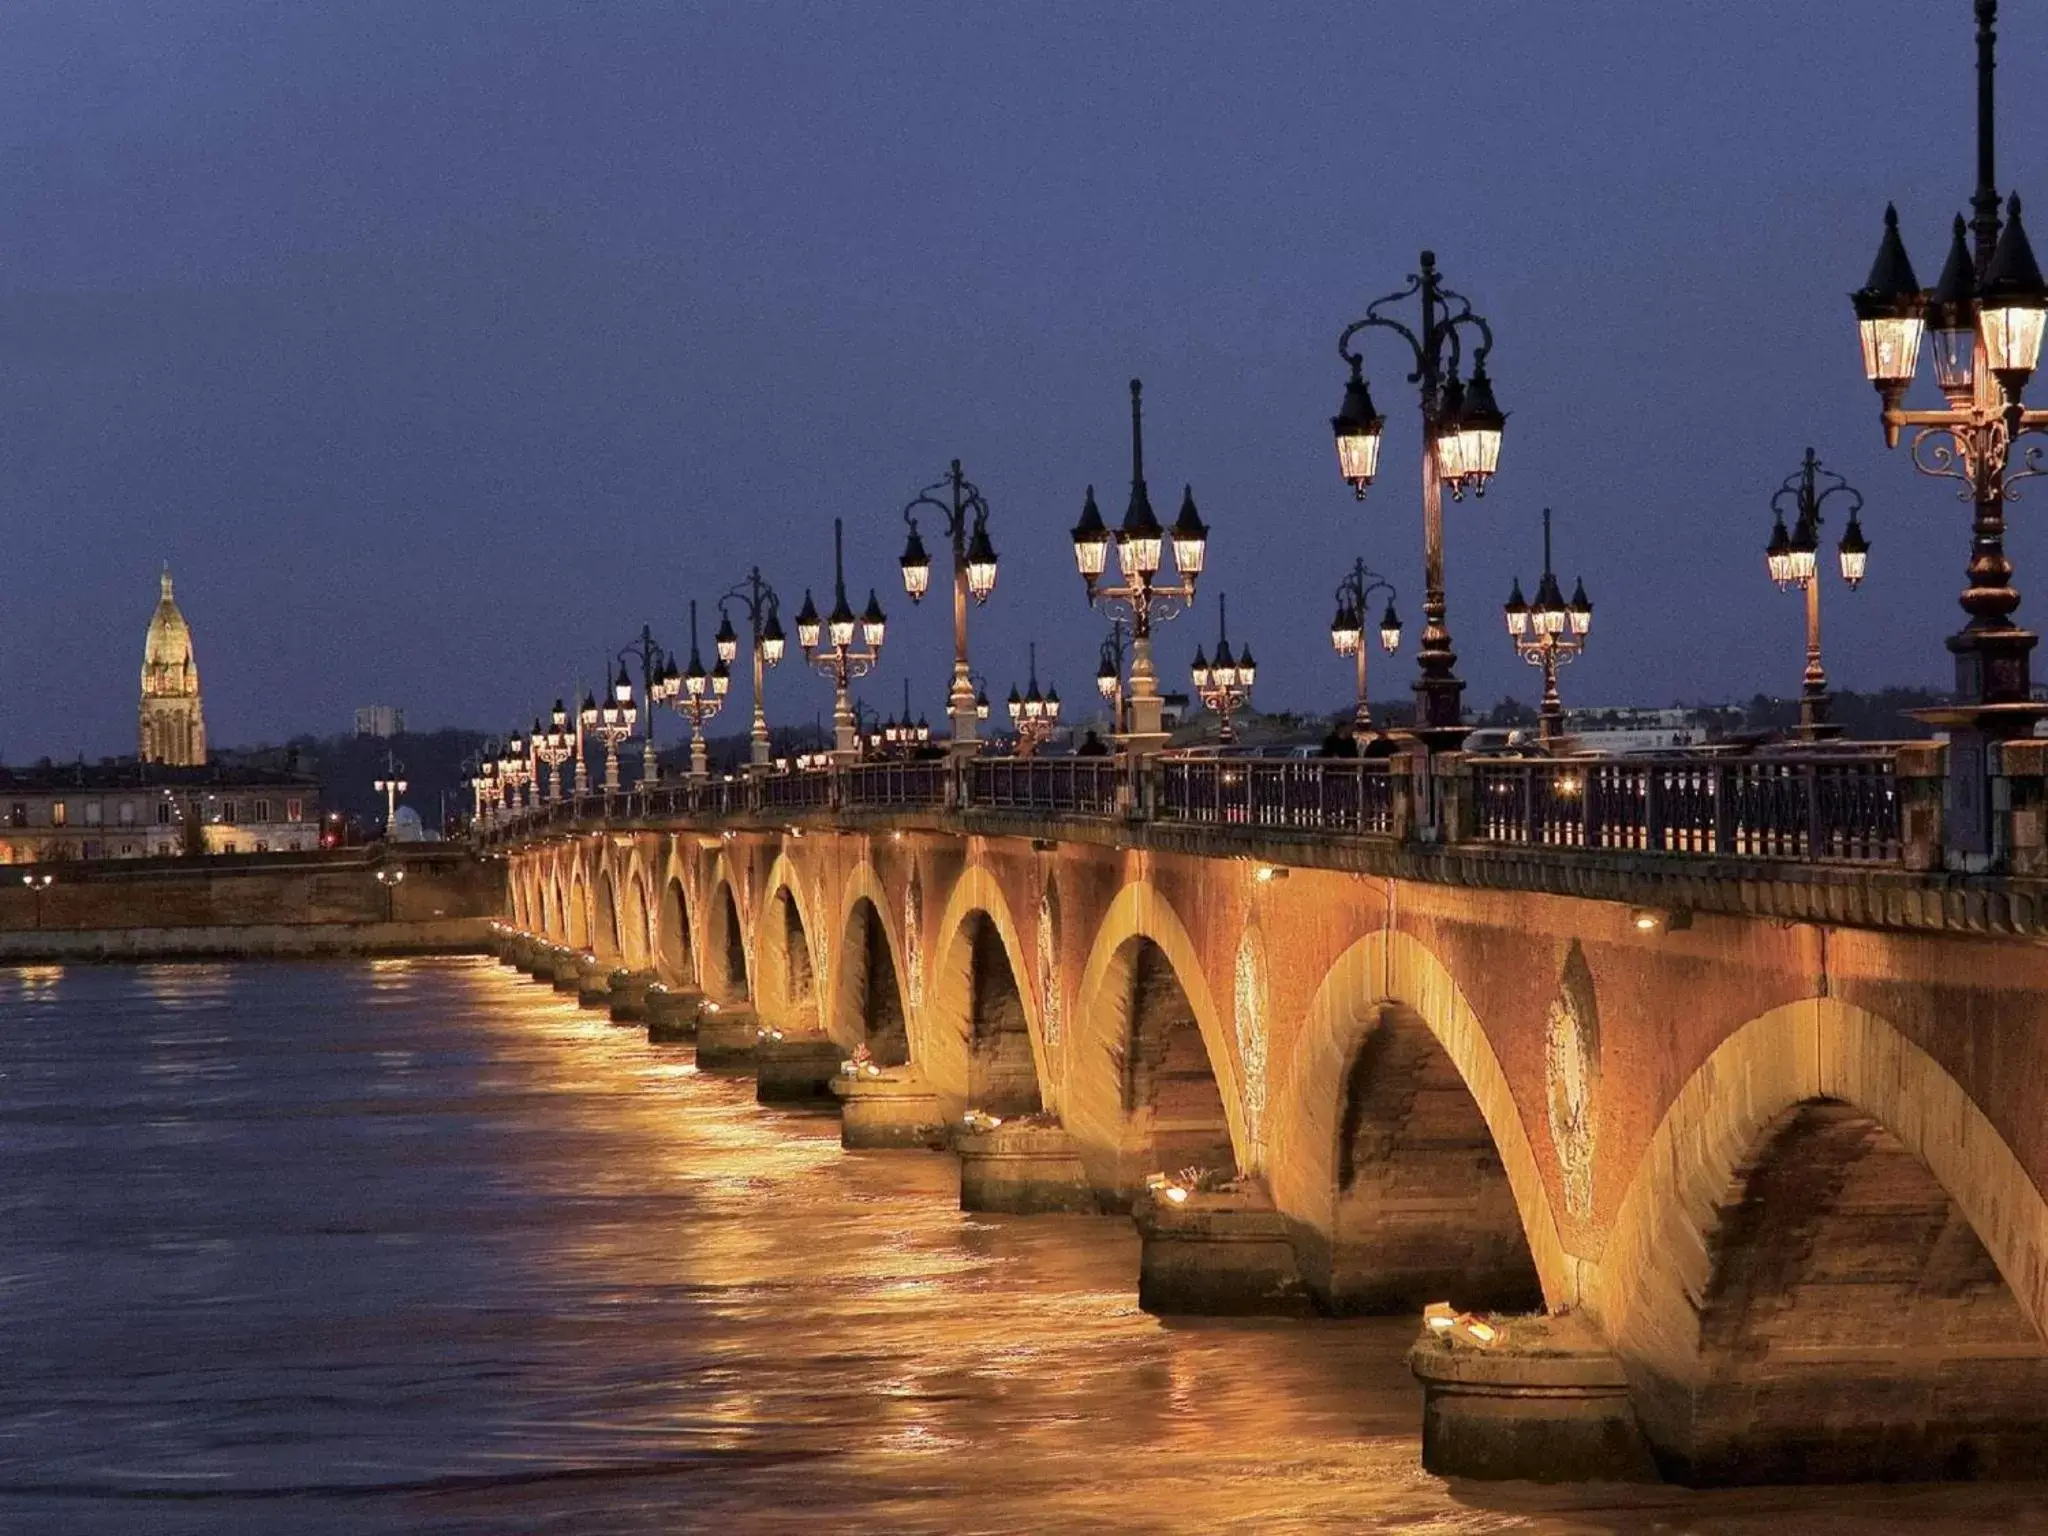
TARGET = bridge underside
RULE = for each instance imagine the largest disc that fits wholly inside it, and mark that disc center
(1744, 1200)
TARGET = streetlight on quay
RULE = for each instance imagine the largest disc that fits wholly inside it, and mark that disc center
(1347, 632)
(1109, 675)
(1138, 543)
(698, 696)
(764, 622)
(553, 747)
(38, 882)
(391, 786)
(1985, 318)
(611, 723)
(1461, 432)
(974, 575)
(1548, 633)
(1793, 559)
(829, 646)
(1224, 684)
(655, 671)
(391, 878)
(1034, 716)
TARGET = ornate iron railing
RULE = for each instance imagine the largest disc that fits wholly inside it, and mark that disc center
(1068, 786)
(1822, 806)
(885, 785)
(1354, 795)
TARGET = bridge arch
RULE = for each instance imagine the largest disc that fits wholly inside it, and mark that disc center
(983, 1038)
(1151, 1082)
(786, 989)
(605, 929)
(675, 951)
(636, 938)
(579, 907)
(1392, 1090)
(1821, 1223)
(870, 1002)
(725, 973)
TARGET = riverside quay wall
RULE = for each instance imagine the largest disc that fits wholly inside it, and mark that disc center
(346, 902)
(1738, 1161)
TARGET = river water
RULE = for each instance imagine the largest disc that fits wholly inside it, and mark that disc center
(417, 1246)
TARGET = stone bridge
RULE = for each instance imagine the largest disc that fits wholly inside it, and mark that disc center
(1734, 1156)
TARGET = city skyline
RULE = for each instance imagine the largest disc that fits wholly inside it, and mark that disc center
(478, 339)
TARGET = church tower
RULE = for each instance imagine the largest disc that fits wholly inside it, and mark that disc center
(173, 729)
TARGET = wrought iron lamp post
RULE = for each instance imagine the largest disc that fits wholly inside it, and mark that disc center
(655, 672)
(1347, 631)
(515, 772)
(1109, 675)
(904, 734)
(764, 622)
(1548, 633)
(1034, 716)
(1793, 559)
(829, 646)
(1139, 542)
(1984, 318)
(391, 786)
(611, 723)
(554, 747)
(974, 575)
(1225, 684)
(1461, 433)
(699, 696)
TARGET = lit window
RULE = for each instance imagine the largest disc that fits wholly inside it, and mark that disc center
(59, 814)
(294, 810)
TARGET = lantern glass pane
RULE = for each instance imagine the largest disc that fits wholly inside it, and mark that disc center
(2012, 336)
(1891, 347)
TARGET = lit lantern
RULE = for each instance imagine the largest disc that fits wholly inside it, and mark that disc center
(1952, 320)
(1091, 541)
(917, 566)
(981, 564)
(1854, 551)
(1516, 611)
(1778, 554)
(1358, 428)
(1450, 440)
(773, 641)
(1480, 424)
(1105, 678)
(1805, 550)
(2014, 304)
(1580, 609)
(1890, 315)
(1346, 630)
(872, 622)
(1200, 671)
(1140, 539)
(839, 626)
(1390, 630)
(1190, 537)
(807, 623)
(727, 641)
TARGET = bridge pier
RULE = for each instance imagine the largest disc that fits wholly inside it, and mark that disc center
(672, 1013)
(628, 996)
(887, 1107)
(795, 1068)
(593, 982)
(1221, 1254)
(566, 971)
(727, 1034)
(1544, 1401)
(1022, 1167)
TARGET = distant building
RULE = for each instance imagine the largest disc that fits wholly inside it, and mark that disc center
(380, 720)
(126, 809)
(173, 724)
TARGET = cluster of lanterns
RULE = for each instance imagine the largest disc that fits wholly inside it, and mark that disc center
(1465, 433)
(2005, 312)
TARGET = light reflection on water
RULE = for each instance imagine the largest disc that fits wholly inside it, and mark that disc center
(475, 1260)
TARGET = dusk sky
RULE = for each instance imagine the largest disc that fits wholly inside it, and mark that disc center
(438, 347)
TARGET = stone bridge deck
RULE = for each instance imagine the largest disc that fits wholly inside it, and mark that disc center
(1728, 1107)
